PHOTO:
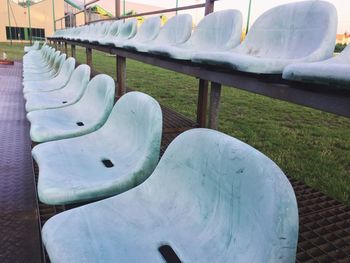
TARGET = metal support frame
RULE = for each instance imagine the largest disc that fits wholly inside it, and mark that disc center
(121, 75)
(9, 18)
(30, 23)
(215, 94)
(321, 97)
(73, 51)
(202, 102)
(88, 56)
(66, 48)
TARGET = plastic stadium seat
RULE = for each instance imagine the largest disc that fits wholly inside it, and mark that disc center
(127, 30)
(211, 198)
(85, 116)
(35, 46)
(64, 97)
(39, 59)
(176, 31)
(218, 31)
(148, 31)
(115, 158)
(111, 34)
(55, 83)
(48, 73)
(101, 29)
(334, 71)
(296, 32)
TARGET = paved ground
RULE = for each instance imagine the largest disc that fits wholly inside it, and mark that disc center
(19, 228)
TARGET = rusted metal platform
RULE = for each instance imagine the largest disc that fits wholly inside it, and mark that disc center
(19, 227)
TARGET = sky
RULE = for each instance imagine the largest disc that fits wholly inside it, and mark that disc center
(258, 7)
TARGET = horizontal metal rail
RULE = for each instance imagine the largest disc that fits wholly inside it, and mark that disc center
(319, 97)
(90, 3)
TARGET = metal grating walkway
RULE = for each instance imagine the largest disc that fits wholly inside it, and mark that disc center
(19, 228)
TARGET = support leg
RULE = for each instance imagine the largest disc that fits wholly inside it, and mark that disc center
(121, 75)
(89, 56)
(215, 93)
(202, 103)
(73, 51)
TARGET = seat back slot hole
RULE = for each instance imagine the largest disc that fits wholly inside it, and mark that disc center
(169, 254)
(79, 123)
(107, 163)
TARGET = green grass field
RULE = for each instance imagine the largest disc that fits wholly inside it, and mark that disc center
(309, 145)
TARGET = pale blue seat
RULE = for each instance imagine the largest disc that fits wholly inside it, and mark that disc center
(47, 73)
(115, 158)
(39, 59)
(212, 198)
(55, 83)
(35, 46)
(127, 31)
(64, 97)
(218, 31)
(148, 31)
(176, 31)
(296, 32)
(333, 72)
(112, 33)
(83, 117)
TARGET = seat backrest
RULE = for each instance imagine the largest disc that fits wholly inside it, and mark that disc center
(114, 28)
(149, 29)
(59, 62)
(53, 58)
(138, 117)
(128, 29)
(79, 81)
(66, 71)
(176, 31)
(97, 101)
(218, 30)
(293, 31)
(235, 198)
(342, 58)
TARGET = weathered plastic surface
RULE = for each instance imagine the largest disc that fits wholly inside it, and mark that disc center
(56, 83)
(127, 31)
(296, 32)
(35, 46)
(212, 198)
(112, 33)
(40, 62)
(334, 71)
(72, 170)
(43, 75)
(64, 97)
(101, 31)
(83, 117)
(148, 31)
(218, 31)
(176, 31)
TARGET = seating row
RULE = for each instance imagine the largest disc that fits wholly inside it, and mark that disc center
(35, 46)
(301, 32)
(211, 198)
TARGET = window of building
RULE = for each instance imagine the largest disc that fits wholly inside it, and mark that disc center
(23, 33)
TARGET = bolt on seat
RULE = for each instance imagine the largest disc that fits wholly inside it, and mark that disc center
(334, 71)
(55, 83)
(211, 198)
(295, 32)
(85, 116)
(176, 31)
(68, 95)
(218, 31)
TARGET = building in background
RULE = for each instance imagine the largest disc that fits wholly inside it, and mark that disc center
(18, 22)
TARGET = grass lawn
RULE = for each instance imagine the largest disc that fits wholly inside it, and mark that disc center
(309, 145)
